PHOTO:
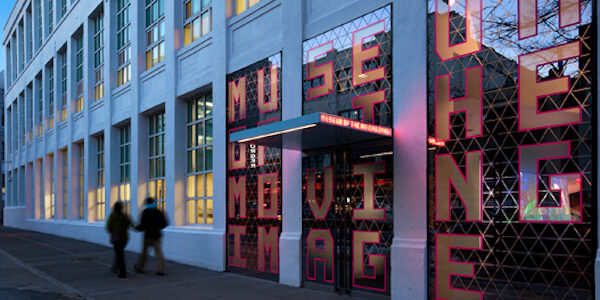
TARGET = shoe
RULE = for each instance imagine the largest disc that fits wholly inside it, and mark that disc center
(135, 267)
(159, 273)
(122, 275)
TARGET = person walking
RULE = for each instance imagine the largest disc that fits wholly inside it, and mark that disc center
(117, 225)
(152, 222)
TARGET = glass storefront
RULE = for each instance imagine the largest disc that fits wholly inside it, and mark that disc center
(511, 142)
(347, 189)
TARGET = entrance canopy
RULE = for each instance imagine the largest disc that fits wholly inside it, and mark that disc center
(317, 130)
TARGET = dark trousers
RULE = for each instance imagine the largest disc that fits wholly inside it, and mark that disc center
(120, 256)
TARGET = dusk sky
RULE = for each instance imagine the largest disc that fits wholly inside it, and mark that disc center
(7, 6)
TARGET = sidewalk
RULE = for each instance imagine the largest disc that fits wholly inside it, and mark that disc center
(41, 266)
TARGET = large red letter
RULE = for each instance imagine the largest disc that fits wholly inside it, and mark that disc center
(313, 71)
(269, 243)
(237, 96)
(530, 90)
(236, 260)
(369, 211)
(324, 253)
(445, 267)
(467, 186)
(378, 280)
(568, 14)
(470, 104)
(472, 41)
(360, 55)
(263, 212)
(237, 191)
(568, 186)
(319, 211)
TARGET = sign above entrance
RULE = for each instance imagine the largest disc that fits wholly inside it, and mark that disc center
(312, 131)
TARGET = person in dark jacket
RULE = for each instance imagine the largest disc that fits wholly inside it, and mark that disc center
(117, 225)
(152, 222)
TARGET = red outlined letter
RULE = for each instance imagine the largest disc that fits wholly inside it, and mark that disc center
(470, 104)
(377, 281)
(268, 243)
(567, 185)
(236, 260)
(468, 186)
(530, 89)
(263, 212)
(445, 267)
(360, 55)
(324, 254)
(472, 43)
(368, 211)
(313, 71)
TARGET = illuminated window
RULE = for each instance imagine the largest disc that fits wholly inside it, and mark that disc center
(156, 184)
(100, 203)
(123, 42)
(40, 104)
(40, 182)
(99, 57)
(63, 85)
(242, 5)
(65, 180)
(198, 20)
(80, 178)
(155, 32)
(50, 199)
(50, 107)
(125, 166)
(79, 73)
(199, 161)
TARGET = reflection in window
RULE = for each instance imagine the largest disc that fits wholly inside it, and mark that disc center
(155, 32)
(99, 57)
(199, 158)
(123, 42)
(198, 15)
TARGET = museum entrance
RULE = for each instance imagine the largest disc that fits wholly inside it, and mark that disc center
(347, 218)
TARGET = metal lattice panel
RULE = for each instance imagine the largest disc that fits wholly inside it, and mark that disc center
(518, 260)
(272, 163)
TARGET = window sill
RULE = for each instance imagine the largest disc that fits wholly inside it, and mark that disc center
(62, 124)
(97, 104)
(118, 91)
(196, 45)
(78, 115)
(155, 70)
(248, 13)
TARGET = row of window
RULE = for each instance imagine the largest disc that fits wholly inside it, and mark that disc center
(20, 47)
(199, 195)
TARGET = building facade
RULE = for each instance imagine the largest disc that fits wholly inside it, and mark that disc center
(412, 149)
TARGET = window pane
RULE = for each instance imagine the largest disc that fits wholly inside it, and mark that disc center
(240, 6)
(191, 161)
(252, 2)
(196, 29)
(200, 185)
(188, 9)
(191, 209)
(187, 35)
(200, 160)
(209, 185)
(200, 204)
(191, 188)
(209, 131)
(200, 133)
(209, 105)
(209, 211)
(206, 22)
(209, 158)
